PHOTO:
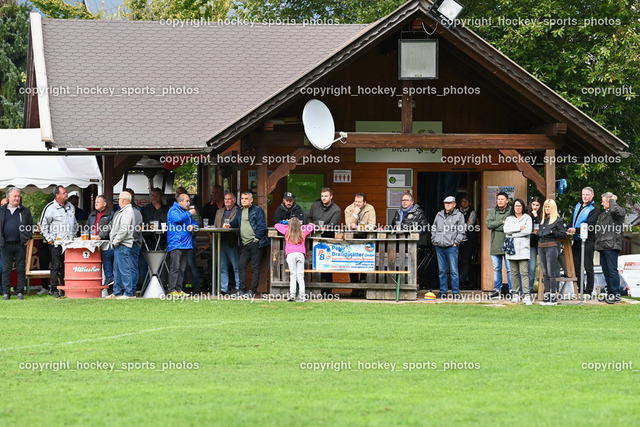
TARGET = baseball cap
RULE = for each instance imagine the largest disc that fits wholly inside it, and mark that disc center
(289, 196)
(450, 199)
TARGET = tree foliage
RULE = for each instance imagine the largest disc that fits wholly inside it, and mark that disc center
(14, 29)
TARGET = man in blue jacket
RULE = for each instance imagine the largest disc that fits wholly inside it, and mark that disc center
(179, 226)
(253, 237)
(587, 212)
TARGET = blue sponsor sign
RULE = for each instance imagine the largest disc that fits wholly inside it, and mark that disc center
(344, 256)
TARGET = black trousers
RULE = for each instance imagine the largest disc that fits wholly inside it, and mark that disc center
(57, 267)
(465, 253)
(177, 267)
(13, 252)
(589, 249)
(250, 253)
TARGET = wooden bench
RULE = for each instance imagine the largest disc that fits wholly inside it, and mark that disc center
(390, 273)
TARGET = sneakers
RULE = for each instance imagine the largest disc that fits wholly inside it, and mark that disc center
(547, 299)
(442, 295)
(42, 291)
(527, 300)
(457, 296)
(494, 295)
(249, 294)
(20, 296)
(515, 298)
(612, 299)
(6, 297)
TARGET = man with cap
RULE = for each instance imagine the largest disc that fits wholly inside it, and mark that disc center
(446, 234)
(288, 209)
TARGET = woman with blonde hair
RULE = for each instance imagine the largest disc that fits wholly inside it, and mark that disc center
(551, 229)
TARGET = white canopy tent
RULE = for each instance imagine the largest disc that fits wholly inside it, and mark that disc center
(42, 173)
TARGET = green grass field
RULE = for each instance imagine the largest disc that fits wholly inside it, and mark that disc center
(251, 363)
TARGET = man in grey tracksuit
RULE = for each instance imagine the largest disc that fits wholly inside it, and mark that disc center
(446, 234)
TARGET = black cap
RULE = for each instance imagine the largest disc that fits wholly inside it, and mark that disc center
(289, 196)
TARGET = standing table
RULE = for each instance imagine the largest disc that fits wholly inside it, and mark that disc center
(215, 254)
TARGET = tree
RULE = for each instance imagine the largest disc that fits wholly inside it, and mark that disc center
(14, 30)
(577, 47)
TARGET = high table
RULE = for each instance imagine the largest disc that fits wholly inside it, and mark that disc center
(216, 234)
(83, 267)
(157, 249)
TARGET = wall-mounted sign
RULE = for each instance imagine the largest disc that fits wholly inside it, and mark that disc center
(342, 176)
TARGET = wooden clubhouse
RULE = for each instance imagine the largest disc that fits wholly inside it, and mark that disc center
(480, 123)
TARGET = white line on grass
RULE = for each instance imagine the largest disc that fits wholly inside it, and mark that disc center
(127, 334)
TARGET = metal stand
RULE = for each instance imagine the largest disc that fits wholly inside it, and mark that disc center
(582, 273)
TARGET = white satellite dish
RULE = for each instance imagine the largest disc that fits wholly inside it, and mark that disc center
(318, 125)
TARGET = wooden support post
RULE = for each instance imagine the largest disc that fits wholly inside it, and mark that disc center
(262, 181)
(527, 170)
(550, 175)
(107, 178)
(407, 108)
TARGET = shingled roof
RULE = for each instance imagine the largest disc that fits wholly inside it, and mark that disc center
(217, 73)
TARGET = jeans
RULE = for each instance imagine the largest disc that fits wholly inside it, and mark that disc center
(496, 260)
(177, 266)
(448, 263)
(589, 249)
(533, 256)
(11, 252)
(122, 272)
(135, 255)
(295, 261)
(228, 254)
(549, 265)
(520, 274)
(195, 274)
(609, 262)
(250, 253)
(107, 265)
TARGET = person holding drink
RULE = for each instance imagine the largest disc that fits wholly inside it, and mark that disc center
(228, 242)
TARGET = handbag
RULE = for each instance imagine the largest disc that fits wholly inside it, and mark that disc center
(508, 246)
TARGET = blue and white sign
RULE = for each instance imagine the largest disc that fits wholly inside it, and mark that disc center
(344, 256)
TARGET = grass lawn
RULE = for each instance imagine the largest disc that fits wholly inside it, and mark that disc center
(251, 363)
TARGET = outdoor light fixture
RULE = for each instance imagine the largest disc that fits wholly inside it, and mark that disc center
(446, 11)
(417, 59)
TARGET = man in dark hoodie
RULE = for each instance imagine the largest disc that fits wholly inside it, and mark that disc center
(16, 228)
(288, 209)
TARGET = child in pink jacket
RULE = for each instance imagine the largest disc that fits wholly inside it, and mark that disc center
(294, 235)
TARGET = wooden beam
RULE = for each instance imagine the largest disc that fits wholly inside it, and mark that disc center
(552, 129)
(284, 169)
(427, 140)
(527, 170)
(550, 175)
(444, 140)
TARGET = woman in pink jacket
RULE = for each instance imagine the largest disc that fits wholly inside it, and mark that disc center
(294, 235)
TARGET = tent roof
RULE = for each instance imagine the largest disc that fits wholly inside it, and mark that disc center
(33, 173)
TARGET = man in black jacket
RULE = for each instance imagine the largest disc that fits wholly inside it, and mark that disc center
(608, 232)
(288, 209)
(102, 216)
(410, 216)
(16, 229)
(586, 212)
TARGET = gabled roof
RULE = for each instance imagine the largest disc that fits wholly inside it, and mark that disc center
(510, 76)
(216, 74)
(243, 74)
